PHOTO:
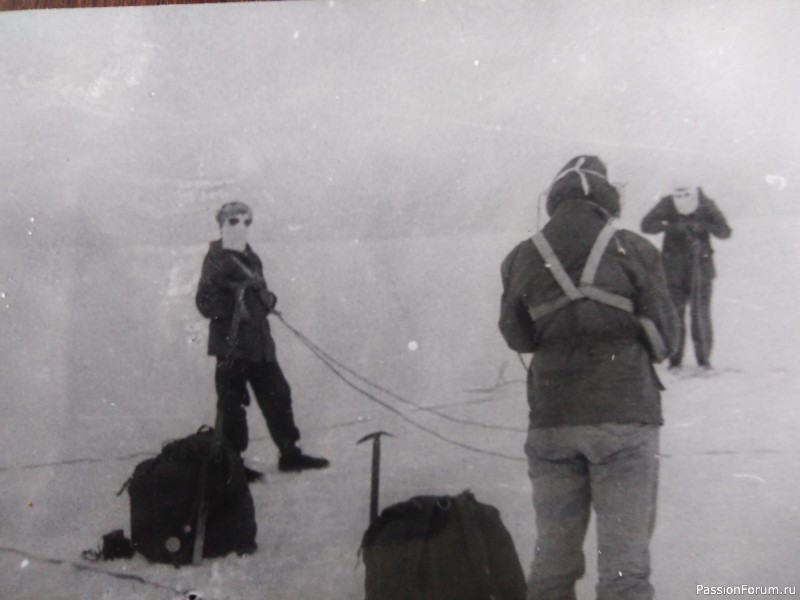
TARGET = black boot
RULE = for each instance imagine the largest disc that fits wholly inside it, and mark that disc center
(295, 460)
(252, 475)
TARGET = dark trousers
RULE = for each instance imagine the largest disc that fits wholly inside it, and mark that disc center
(697, 295)
(273, 395)
(613, 468)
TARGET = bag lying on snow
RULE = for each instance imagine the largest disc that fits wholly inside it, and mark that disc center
(112, 546)
(194, 477)
(441, 548)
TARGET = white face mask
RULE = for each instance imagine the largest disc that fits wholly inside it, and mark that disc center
(685, 200)
(234, 232)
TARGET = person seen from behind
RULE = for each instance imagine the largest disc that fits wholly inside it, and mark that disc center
(234, 296)
(591, 303)
(688, 219)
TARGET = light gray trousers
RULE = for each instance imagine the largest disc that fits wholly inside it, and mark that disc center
(612, 468)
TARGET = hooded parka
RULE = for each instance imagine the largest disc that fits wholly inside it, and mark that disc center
(590, 362)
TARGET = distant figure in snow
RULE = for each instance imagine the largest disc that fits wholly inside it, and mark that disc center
(688, 218)
(591, 303)
(233, 294)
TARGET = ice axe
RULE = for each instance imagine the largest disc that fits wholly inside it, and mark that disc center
(202, 493)
(376, 471)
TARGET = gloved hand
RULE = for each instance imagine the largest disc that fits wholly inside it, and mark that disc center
(679, 225)
(695, 226)
(268, 299)
(256, 283)
(687, 226)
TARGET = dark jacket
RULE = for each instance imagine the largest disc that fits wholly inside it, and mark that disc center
(237, 302)
(686, 250)
(590, 362)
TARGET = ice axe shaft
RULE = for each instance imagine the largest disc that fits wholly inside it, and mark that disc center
(376, 471)
(203, 505)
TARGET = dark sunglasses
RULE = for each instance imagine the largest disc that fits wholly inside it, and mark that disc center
(235, 221)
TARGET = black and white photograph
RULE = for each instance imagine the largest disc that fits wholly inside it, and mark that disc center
(400, 300)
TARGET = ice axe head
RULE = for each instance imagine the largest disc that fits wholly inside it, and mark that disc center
(374, 436)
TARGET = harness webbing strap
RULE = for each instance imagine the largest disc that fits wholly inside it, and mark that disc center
(658, 347)
(539, 311)
(599, 247)
(615, 300)
(554, 265)
(586, 289)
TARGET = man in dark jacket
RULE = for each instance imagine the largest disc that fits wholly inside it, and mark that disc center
(233, 294)
(688, 218)
(591, 303)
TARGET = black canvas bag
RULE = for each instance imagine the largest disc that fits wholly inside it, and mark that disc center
(112, 546)
(441, 548)
(167, 493)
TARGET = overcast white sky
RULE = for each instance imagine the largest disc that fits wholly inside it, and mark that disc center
(394, 118)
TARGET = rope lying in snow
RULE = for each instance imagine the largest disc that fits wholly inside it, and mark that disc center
(75, 461)
(329, 359)
(83, 567)
(336, 368)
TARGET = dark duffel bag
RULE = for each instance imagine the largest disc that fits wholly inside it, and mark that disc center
(196, 475)
(441, 548)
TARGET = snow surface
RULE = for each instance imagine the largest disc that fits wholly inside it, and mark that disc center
(393, 155)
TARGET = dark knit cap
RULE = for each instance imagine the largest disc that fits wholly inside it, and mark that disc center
(584, 178)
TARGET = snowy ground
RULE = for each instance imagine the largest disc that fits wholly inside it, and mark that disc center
(729, 503)
(393, 153)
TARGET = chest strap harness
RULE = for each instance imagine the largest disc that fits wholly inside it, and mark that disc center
(587, 289)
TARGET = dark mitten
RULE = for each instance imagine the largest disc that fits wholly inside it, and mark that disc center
(268, 299)
(695, 226)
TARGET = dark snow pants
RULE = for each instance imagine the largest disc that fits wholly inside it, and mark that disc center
(613, 468)
(273, 395)
(696, 294)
